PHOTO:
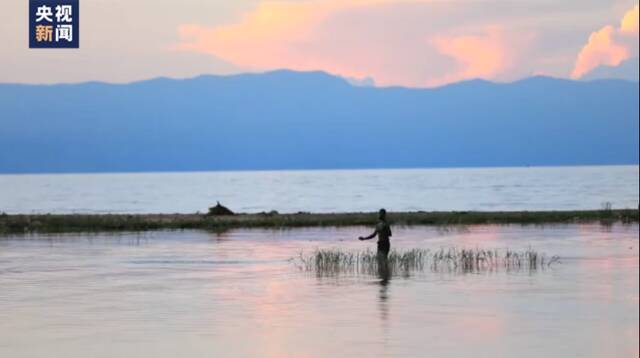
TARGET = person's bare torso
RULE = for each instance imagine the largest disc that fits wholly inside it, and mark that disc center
(384, 231)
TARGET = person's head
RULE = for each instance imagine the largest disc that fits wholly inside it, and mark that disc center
(382, 214)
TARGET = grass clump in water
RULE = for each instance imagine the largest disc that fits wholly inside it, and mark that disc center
(335, 261)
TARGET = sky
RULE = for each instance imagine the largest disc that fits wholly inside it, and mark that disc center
(417, 43)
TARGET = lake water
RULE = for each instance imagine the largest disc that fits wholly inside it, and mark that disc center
(486, 189)
(199, 294)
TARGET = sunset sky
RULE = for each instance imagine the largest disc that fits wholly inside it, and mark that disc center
(409, 43)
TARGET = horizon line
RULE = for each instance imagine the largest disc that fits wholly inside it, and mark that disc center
(321, 169)
(336, 76)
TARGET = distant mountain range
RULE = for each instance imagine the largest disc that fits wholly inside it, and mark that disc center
(304, 120)
(627, 70)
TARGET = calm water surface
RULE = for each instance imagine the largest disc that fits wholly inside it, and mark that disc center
(487, 189)
(198, 294)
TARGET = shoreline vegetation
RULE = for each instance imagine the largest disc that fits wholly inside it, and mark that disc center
(70, 223)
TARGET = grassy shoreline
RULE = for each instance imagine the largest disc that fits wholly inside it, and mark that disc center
(63, 223)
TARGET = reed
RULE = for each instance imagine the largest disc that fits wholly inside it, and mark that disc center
(463, 260)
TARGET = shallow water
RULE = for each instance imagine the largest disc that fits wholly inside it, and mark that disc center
(198, 294)
(487, 189)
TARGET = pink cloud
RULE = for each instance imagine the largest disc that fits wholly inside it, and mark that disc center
(609, 45)
(357, 39)
(477, 56)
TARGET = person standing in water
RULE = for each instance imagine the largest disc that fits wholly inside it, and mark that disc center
(383, 231)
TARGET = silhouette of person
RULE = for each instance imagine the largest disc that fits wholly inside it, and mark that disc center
(383, 231)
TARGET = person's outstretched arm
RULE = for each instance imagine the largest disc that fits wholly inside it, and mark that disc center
(370, 236)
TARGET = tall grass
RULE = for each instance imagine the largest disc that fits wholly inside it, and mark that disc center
(335, 261)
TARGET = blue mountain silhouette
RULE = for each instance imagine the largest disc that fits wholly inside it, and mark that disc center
(300, 120)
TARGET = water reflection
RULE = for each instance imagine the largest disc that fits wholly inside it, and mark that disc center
(105, 296)
(384, 276)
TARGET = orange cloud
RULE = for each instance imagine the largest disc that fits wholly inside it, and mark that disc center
(476, 56)
(267, 37)
(629, 23)
(313, 35)
(609, 45)
(262, 34)
(279, 34)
